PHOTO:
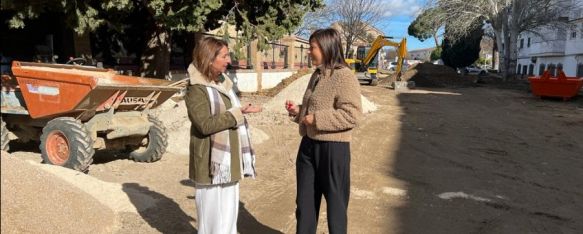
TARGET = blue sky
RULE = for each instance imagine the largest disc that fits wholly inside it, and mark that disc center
(398, 16)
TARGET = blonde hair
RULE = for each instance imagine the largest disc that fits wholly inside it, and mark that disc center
(204, 53)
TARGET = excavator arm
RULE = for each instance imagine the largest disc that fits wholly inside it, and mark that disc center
(363, 62)
(401, 53)
(382, 41)
(377, 44)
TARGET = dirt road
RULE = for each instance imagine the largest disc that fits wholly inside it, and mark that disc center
(467, 160)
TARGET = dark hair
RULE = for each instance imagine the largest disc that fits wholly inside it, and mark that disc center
(331, 46)
(205, 52)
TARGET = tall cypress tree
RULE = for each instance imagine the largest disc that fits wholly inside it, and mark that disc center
(464, 51)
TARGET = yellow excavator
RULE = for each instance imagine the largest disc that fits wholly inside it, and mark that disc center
(366, 63)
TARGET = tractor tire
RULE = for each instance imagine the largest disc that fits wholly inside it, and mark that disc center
(157, 141)
(4, 140)
(66, 142)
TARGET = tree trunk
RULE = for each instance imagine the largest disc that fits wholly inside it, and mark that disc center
(436, 40)
(500, 49)
(347, 51)
(156, 57)
(505, 52)
(511, 32)
(512, 53)
(494, 49)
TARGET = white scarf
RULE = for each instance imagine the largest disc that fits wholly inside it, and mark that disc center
(220, 145)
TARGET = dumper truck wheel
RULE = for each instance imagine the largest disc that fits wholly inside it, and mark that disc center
(154, 145)
(66, 142)
(4, 140)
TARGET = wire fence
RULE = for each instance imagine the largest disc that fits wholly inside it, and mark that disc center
(275, 56)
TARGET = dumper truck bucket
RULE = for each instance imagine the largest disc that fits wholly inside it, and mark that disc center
(55, 89)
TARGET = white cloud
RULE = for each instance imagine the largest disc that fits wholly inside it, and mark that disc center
(401, 7)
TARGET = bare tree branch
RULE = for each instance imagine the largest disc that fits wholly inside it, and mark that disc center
(508, 18)
(320, 18)
(356, 17)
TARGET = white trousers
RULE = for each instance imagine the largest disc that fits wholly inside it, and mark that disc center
(217, 207)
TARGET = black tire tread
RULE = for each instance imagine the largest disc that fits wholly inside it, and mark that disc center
(4, 140)
(81, 148)
(157, 143)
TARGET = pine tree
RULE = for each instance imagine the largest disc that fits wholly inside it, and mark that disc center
(427, 25)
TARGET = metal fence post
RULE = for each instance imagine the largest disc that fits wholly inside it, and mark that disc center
(285, 62)
(301, 56)
(249, 59)
(272, 56)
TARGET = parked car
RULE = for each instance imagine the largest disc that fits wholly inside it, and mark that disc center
(392, 66)
(473, 70)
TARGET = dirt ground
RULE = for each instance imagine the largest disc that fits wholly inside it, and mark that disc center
(479, 159)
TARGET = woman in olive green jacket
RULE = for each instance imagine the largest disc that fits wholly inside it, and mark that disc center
(220, 149)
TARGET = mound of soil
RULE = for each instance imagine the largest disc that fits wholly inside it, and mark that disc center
(431, 75)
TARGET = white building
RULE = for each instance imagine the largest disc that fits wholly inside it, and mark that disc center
(558, 48)
(420, 54)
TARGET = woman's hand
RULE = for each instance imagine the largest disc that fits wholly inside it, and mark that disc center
(308, 119)
(246, 109)
(292, 108)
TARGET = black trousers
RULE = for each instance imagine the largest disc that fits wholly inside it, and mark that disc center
(322, 168)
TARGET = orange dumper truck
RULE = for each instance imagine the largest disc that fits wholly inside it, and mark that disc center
(71, 111)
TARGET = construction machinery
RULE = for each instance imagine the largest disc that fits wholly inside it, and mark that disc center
(71, 110)
(366, 63)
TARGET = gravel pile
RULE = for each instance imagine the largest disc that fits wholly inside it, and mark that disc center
(63, 207)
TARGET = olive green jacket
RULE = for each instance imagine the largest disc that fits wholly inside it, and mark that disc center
(204, 125)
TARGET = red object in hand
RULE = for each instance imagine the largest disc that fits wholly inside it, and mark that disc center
(289, 106)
